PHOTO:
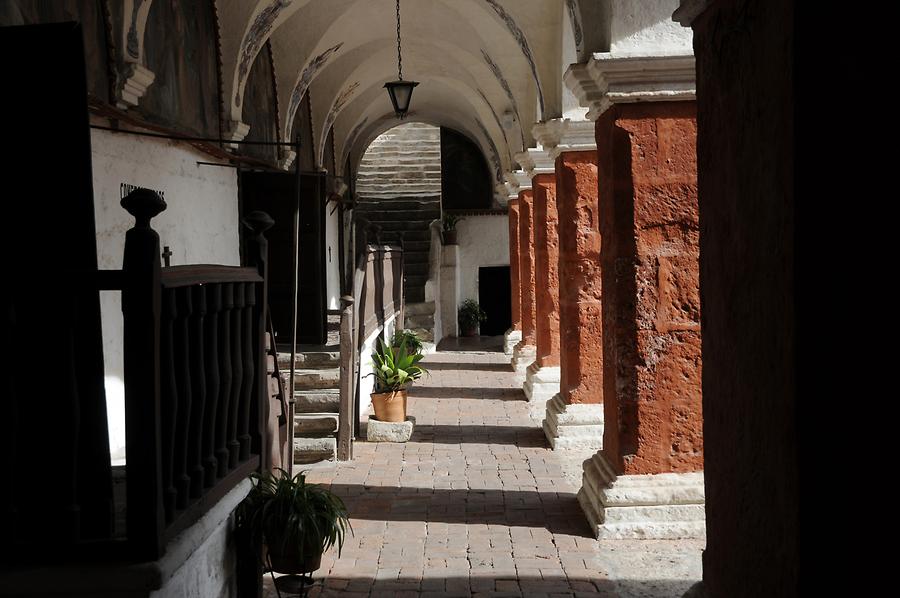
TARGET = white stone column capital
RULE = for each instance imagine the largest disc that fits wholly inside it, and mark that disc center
(235, 130)
(610, 78)
(526, 162)
(565, 135)
(543, 163)
(135, 81)
(520, 181)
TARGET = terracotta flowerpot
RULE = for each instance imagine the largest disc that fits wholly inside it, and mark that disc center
(449, 237)
(390, 406)
(470, 331)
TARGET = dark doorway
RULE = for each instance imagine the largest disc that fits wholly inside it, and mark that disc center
(495, 298)
(275, 193)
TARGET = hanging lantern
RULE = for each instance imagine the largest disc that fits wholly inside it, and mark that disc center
(400, 91)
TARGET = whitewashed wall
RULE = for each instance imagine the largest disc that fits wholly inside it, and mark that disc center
(332, 257)
(366, 380)
(483, 241)
(200, 225)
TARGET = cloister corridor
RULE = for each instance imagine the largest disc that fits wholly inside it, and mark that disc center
(477, 504)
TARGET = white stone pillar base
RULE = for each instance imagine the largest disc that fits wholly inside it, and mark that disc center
(523, 356)
(578, 426)
(541, 384)
(652, 506)
(510, 339)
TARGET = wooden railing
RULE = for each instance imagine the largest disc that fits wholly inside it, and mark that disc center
(195, 379)
(377, 295)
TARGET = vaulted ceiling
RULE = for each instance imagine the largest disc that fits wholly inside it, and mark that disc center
(487, 68)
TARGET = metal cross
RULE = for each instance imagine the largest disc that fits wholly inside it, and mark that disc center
(166, 254)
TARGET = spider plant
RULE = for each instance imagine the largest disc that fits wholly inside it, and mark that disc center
(293, 518)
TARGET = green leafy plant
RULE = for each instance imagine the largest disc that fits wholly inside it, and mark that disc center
(450, 221)
(395, 367)
(293, 517)
(409, 337)
(470, 314)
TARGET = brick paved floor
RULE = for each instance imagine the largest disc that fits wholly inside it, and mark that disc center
(477, 504)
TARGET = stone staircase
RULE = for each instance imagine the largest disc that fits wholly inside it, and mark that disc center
(316, 397)
(399, 188)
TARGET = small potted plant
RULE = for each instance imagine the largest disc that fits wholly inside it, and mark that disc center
(448, 236)
(395, 368)
(470, 315)
(296, 522)
(412, 340)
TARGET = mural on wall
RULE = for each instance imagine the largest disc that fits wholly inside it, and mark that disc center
(495, 155)
(336, 108)
(185, 94)
(496, 120)
(260, 104)
(309, 73)
(133, 45)
(254, 39)
(509, 94)
(523, 45)
(572, 5)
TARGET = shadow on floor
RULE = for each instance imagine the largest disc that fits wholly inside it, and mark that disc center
(489, 583)
(466, 392)
(521, 436)
(557, 512)
(459, 366)
(471, 343)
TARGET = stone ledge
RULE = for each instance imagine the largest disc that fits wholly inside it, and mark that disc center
(379, 431)
(510, 339)
(578, 426)
(523, 356)
(652, 506)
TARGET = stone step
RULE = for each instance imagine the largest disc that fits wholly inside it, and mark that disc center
(423, 202)
(415, 280)
(424, 216)
(417, 246)
(402, 225)
(310, 359)
(315, 424)
(317, 401)
(414, 294)
(417, 309)
(422, 321)
(424, 334)
(310, 379)
(415, 257)
(415, 269)
(408, 236)
(313, 450)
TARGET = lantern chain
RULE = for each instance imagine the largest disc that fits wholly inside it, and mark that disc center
(399, 55)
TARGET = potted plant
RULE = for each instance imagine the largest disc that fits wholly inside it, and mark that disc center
(394, 370)
(412, 340)
(448, 236)
(470, 315)
(296, 522)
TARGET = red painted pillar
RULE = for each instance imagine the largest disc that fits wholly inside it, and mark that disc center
(524, 352)
(649, 260)
(546, 256)
(574, 417)
(649, 222)
(514, 334)
(581, 357)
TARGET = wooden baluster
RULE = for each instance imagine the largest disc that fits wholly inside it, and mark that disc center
(198, 387)
(237, 373)
(225, 379)
(141, 307)
(249, 356)
(183, 373)
(258, 256)
(169, 403)
(214, 306)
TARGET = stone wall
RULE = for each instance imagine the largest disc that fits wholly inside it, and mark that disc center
(200, 225)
